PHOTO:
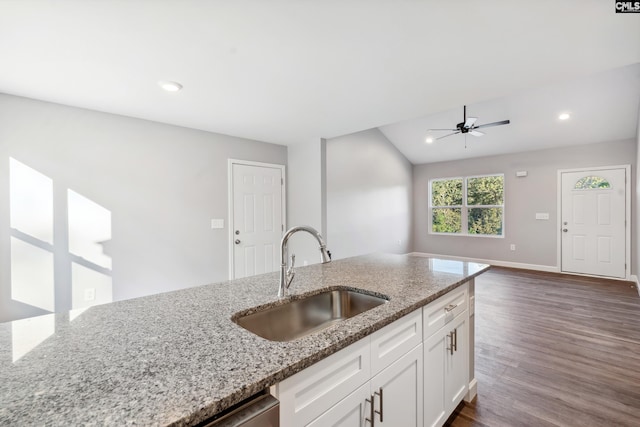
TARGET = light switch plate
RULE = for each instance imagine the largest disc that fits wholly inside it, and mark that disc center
(217, 223)
(542, 215)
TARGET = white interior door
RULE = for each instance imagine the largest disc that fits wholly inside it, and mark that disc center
(593, 222)
(257, 219)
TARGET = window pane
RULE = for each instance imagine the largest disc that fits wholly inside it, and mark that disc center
(447, 192)
(591, 182)
(447, 220)
(485, 190)
(485, 221)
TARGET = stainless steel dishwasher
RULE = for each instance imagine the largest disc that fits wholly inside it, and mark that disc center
(262, 410)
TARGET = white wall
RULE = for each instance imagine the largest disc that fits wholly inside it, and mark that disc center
(162, 185)
(369, 195)
(306, 204)
(535, 240)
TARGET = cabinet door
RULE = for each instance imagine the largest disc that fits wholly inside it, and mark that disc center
(349, 412)
(313, 391)
(435, 353)
(401, 384)
(456, 364)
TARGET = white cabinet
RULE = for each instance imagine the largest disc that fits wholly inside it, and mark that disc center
(456, 381)
(388, 364)
(349, 412)
(446, 378)
(311, 392)
(435, 407)
(397, 392)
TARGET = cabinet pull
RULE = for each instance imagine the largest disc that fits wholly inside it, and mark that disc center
(450, 307)
(372, 412)
(381, 411)
(455, 339)
(450, 348)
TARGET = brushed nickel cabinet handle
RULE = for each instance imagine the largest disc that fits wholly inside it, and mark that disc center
(450, 307)
(372, 413)
(381, 411)
(455, 339)
(450, 348)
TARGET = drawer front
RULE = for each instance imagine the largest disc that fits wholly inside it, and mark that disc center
(395, 340)
(441, 311)
(309, 393)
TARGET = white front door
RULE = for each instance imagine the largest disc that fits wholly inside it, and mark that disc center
(593, 222)
(257, 220)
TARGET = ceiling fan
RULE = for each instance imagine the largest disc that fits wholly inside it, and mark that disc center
(468, 126)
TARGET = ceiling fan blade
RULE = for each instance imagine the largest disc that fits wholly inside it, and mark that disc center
(470, 121)
(428, 130)
(504, 122)
(446, 135)
(476, 133)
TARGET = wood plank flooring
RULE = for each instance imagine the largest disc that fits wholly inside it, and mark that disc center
(554, 350)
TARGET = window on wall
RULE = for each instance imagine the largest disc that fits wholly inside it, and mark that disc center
(471, 205)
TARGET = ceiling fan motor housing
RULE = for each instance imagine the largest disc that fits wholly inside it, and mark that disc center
(461, 128)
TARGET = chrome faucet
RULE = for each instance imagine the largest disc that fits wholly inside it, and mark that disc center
(287, 274)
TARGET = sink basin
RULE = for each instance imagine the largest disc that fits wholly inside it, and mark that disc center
(303, 316)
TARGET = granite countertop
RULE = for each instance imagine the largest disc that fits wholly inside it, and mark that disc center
(177, 358)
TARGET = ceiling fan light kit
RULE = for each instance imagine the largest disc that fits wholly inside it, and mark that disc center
(468, 125)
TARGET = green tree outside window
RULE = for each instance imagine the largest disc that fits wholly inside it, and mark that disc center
(480, 199)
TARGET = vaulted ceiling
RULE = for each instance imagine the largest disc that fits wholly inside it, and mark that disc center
(289, 71)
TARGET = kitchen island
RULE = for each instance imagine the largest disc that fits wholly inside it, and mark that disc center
(177, 358)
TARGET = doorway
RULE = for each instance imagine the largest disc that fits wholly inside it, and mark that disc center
(256, 217)
(594, 213)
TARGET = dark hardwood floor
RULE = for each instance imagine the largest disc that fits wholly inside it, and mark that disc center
(554, 350)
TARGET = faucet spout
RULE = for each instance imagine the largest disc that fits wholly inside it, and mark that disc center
(286, 275)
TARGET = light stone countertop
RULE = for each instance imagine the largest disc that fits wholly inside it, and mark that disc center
(176, 358)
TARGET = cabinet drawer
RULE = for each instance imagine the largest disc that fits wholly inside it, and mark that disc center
(307, 394)
(441, 311)
(394, 340)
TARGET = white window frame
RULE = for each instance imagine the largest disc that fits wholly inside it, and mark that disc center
(464, 213)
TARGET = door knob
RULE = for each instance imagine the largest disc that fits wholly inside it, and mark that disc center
(237, 241)
(564, 230)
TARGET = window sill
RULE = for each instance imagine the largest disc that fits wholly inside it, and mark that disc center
(467, 235)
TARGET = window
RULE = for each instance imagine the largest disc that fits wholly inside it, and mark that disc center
(592, 182)
(468, 205)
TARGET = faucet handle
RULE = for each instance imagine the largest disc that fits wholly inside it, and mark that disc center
(293, 263)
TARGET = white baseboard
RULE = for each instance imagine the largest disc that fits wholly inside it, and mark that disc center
(634, 279)
(547, 268)
(473, 390)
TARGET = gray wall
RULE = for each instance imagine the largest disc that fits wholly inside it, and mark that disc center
(369, 195)
(306, 204)
(535, 240)
(162, 184)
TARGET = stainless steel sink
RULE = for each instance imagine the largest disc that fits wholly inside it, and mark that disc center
(303, 316)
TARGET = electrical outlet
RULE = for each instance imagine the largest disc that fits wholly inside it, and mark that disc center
(90, 294)
(513, 247)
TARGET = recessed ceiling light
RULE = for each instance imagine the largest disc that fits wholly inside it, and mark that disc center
(429, 140)
(564, 116)
(170, 86)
